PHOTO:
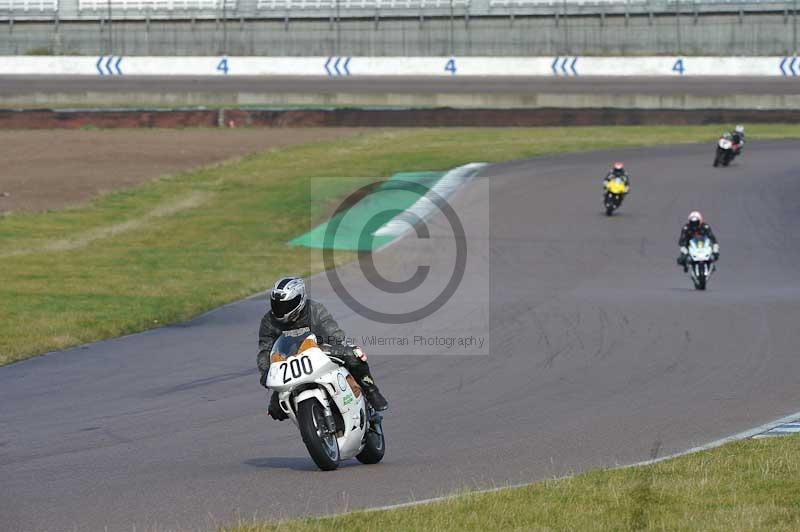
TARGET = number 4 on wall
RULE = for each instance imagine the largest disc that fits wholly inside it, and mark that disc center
(451, 66)
(222, 66)
(678, 66)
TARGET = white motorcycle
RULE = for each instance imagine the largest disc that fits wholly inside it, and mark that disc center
(701, 261)
(726, 152)
(325, 402)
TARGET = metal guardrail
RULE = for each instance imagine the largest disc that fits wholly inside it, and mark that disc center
(26, 6)
(528, 3)
(653, 4)
(144, 5)
(294, 5)
(335, 9)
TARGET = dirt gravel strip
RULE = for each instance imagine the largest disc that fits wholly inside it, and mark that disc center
(45, 170)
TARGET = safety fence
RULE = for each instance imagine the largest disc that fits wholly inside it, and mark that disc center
(398, 27)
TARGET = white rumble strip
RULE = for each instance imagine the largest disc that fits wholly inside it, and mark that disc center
(791, 427)
(426, 205)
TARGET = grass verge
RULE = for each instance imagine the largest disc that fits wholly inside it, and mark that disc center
(167, 251)
(746, 485)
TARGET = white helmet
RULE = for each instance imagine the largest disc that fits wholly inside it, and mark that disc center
(739, 129)
(287, 299)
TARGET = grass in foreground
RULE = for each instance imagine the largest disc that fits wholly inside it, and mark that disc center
(168, 251)
(747, 485)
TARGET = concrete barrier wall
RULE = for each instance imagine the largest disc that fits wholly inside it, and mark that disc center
(49, 119)
(401, 66)
(183, 100)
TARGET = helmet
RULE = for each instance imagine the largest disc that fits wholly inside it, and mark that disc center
(739, 129)
(618, 168)
(287, 299)
(695, 219)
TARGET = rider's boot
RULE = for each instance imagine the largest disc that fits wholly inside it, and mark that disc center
(374, 395)
(359, 368)
(682, 262)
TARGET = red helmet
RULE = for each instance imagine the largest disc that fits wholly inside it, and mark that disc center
(695, 218)
(619, 166)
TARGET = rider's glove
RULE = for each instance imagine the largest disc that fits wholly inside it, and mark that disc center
(715, 248)
(684, 250)
(358, 353)
(263, 379)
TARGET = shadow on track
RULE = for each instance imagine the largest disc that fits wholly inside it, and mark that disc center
(282, 462)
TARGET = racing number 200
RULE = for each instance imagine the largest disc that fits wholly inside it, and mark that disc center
(297, 367)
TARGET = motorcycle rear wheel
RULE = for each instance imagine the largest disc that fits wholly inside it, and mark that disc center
(375, 446)
(321, 445)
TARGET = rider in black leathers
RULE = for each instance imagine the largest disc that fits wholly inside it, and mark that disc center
(695, 227)
(305, 315)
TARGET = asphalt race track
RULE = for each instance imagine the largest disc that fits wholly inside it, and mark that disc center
(697, 86)
(601, 354)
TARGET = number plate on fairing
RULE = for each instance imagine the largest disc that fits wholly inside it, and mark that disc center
(296, 369)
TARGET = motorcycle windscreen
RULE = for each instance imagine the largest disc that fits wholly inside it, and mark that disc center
(288, 346)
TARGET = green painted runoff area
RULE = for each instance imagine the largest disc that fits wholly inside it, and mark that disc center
(357, 224)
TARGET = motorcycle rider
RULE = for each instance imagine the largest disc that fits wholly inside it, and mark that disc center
(617, 171)
(737, 136)
(695, 227)
(291, 310)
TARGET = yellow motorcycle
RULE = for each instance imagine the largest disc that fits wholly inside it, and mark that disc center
(615, 191)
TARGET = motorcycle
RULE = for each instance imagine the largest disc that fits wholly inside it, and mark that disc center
(614, 193)
(323, 399)
(701, 261)
(727, 150)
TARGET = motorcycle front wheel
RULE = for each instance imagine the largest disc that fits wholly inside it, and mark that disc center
(610, 204)
(321, 445)
(700, 283)
(717, 157)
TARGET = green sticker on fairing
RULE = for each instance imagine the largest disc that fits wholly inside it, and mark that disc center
(348, 399)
